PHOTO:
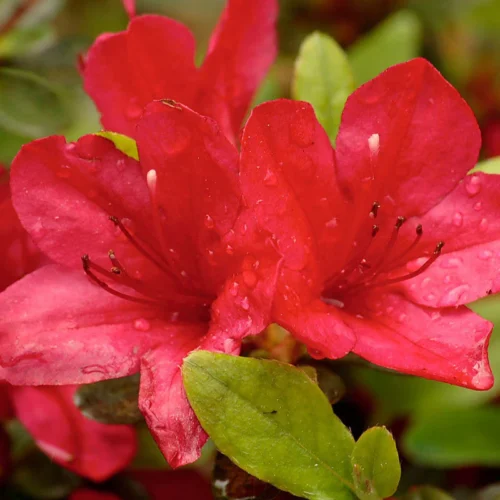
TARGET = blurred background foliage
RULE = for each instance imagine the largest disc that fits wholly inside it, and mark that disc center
(447, 436)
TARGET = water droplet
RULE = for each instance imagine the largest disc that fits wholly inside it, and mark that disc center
(451, 262)
(389, 309)
(485, 254)
(134, 109)
(244, 229)
(209, 222)
(64, 171)
(120, 164)
(301, 129)
(457, 295)
(234, 288)
(483, 225)
(478, 206)
(245, 303)
(447, 279)
(435, 315)
(177, 141)
(230, 345)
(142, 324)
(70, 147)
(458, 219)
(473, 184)
(229, 250)
(270, 178)
(249, 278)
(425, 282)
(402, 317)
(413, 265)
(430, 297)
(332, 223)
(37, 229)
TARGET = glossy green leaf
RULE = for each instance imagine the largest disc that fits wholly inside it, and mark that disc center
(125, 144)
(29, 105)
(489, 166)
(273, 421)
(111, 401)
(455, 438)
(375, 462)
(323, 77)
(426, 493)
(395, 40)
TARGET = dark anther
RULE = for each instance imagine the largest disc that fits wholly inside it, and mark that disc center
(85, 261)
(438, 248)
(400, 221)
(115, 220)
(374, 210)
(116, 270)
(375, 230)
(489, 292)
(419, 230)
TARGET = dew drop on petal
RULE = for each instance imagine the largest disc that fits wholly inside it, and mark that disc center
(430, 297)
(134, 109)
(473, 184)
(229, 250)
(458, 219)
(447, 279)
(142, 324)
(485, 254)
(234, 288)
(478, 206)
(483, 225)
(209, 222)
(230, 345)
(425, 282)
(270, 178)
(249, 278)
(456, 295)
(245, 303)
(402, 317)
(332, 223)
(451, 262)
(389, 309)
(37, 229)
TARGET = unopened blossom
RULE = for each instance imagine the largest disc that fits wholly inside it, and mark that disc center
(152, 260)
(154, 59)
(386, 238)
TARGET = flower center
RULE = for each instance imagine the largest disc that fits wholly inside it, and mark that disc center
(171, 301)
(367, 268)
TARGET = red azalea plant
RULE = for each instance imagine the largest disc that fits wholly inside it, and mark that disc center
(185, 235)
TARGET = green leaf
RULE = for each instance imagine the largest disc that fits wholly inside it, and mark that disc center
(22, 41)
(110, 401)
(29, 105)
(490, 166)
(323, 77)
(125, 144)
(394, 41)
(456, 438)
(375, 462)
(273, 421)
(426, 493)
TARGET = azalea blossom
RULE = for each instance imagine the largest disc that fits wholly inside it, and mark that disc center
(386, 238)
(154, 59)
(153, 259)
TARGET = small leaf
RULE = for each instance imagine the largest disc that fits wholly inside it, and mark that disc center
(110, 401)
(375, 462)
(323, 77)
(394, 41)
(273, 421)
(455, 438)
(123, 143)
(29, 105)
(489, 166)
(426, 493)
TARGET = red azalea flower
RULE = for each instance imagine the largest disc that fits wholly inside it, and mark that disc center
(93, 450)
(154, 59)
(173, 261)
(362, 228)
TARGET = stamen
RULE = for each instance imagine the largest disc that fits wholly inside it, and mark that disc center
(375, 230)
(155, 259)
(374, 211)
(420, 270)
(419, 230)
(87, 264)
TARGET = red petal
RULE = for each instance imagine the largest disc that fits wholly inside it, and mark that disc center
(153, 59)
(242, 48)
(288, 174)
(18, 254)
(58, 328)
(129, 6)
(93, 450)
(64, 195)
(448, 344)
(196, 188)
(163, 401)
(467, 221)
(406, 139)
